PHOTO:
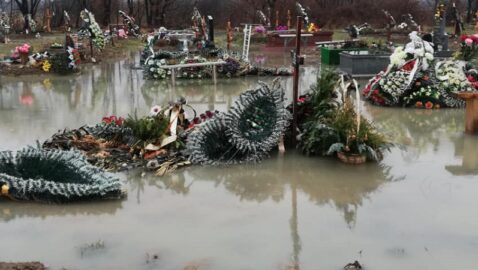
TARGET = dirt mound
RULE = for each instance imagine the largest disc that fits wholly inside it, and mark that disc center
(22, 266)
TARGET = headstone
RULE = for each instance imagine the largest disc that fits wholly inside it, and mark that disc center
(210, 24)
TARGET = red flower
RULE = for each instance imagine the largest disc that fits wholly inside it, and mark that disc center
(113, 120)
(209, 114)
(472, 37)
(119, 121)
(301, 100)
(419, 104)
(376, 92)
(471, 78)
(429, 105)
(108, 120)
(409, 66)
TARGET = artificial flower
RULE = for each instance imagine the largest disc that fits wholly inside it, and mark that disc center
(155, 110)
(429, 105)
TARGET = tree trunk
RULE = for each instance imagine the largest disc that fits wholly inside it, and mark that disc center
(469, 11)
(106, 12)
(130, 7)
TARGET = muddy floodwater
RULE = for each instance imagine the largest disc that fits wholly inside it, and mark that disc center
(414, 210)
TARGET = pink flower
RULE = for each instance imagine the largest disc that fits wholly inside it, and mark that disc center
(24, 49)
(155, 110)
(468, 41)
(260, 29)
(122, 33)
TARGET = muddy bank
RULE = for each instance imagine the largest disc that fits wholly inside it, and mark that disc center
(122, 49)
(17, 70)
(22, 266)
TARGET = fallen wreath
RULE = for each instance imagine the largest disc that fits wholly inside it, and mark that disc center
(54, 176)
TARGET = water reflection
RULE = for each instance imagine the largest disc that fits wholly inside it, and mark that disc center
(419, 129)
(10, 211)
(324, 181)
(465, 147)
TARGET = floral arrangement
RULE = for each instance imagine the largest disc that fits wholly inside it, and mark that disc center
(231, 67)
(415, 79)
(73, 57)
(129, 21)
(113, 120)
(312, 28)
(331, 125)
(193, 72)
(260, 29)
(4, 23)
(61, 63)
(355, 138)
(149, 129)
(153, 69)
(203, 117)
(122, 34)
(94, 29)
(282, 28)
(468, 48)
(23, 49)
(31, 23)
(22, 52)
(46, 66)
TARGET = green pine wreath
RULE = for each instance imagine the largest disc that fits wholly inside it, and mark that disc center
(247, 133)
(54, 176)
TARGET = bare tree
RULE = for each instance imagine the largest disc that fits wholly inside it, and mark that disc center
(28, 6)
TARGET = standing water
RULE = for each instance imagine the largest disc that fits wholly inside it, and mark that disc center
(414, 210)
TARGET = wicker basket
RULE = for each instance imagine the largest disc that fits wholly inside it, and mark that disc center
(353, 159)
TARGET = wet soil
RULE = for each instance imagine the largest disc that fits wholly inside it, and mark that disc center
(22, 266)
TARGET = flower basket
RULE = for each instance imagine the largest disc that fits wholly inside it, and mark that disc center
(466, 95)
(354, 159)
(24, 58)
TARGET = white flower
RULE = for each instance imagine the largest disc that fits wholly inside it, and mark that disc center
(429, 56)
(155, 110)
(419, 52)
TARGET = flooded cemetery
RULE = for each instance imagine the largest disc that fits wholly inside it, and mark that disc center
(274, 140)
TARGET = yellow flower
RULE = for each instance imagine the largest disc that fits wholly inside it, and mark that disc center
(46, 66)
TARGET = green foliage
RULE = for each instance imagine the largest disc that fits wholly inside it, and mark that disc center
(356, 139)
(317, 138)
(322, 95)
(334, 127)
(60, 64)
(147, 129)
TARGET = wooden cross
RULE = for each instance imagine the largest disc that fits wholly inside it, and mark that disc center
(48, 17)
